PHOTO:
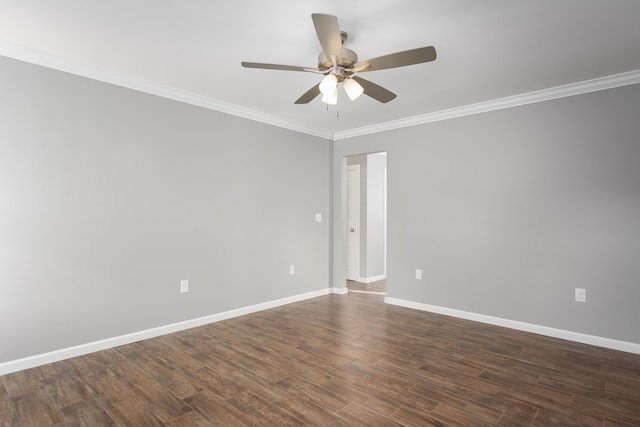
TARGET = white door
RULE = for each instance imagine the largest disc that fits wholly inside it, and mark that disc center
(353, 221)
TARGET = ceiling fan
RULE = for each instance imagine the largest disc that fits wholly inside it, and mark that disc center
(340, 65)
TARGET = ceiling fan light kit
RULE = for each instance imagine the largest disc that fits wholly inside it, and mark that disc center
(352, 88)
(329, 84)
(340, 65)
(332, 98)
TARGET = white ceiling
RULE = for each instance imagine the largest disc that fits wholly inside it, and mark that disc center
(191, 50)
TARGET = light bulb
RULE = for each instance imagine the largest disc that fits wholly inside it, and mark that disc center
(331, 99)
(328, 84)
(353, 89)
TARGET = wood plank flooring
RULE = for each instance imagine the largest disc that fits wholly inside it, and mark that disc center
(335, 360)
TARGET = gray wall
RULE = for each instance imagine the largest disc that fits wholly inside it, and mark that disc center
(109, 197)
(507, 212)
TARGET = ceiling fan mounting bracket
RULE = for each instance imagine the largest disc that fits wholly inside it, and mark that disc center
(344, 36)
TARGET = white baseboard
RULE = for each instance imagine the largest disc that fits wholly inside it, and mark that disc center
(521, 326)
(79, 350)
(340, 291)
(371, 279)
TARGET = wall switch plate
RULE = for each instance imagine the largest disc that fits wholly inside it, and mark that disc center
(318, 217)
(418, 274)
(184, 286)
(292, 269)
(581, 295)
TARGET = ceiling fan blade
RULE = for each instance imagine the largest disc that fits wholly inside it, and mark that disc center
(277, 67)
(328, 32)
(373, 90)
(309, 95)
(398, 59)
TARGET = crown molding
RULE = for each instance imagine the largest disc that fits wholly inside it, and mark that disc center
(616, 80)
(22, 53)
(36, 57)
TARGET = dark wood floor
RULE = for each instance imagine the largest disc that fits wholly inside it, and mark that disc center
(334, 360)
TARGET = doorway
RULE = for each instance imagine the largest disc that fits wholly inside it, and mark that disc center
(366, 222)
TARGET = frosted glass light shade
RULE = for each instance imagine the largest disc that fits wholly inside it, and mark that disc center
(331, 99)
(353, 89)
(328, 84)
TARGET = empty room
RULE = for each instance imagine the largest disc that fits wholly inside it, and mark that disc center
(408, 213)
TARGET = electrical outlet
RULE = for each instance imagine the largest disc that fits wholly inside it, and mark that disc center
(184, 286)
(418, 274)
(581, 295)
(318, 217)
(292, 269)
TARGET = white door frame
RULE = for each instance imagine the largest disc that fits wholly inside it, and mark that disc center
(352, 252)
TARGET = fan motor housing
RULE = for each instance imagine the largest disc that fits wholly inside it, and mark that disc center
(349, 57)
